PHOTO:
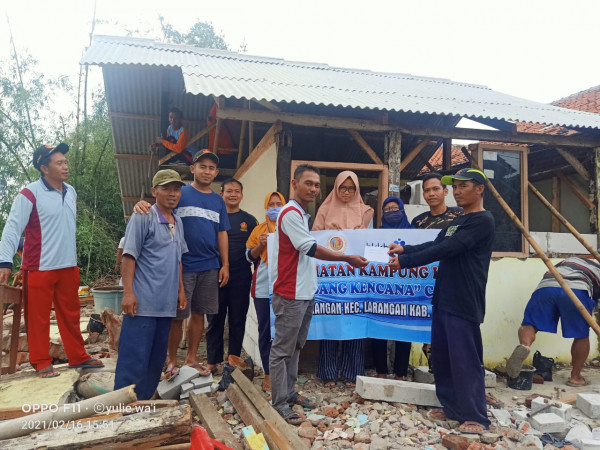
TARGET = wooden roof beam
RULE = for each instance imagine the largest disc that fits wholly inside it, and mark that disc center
(432, 132)
(264, 144)
(575, 189)
(579, 168)
(414, 153)
(365, 146)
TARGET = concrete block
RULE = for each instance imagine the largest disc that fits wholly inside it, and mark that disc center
(502, 416)
(564, 410)
(490, 379)
(202, 390)
(567, 243)
(520, 414)
(396, 391)
(186, 387)
(578, 433)
(541, 237)
(589, 404)
(590, 444)
(421, 374)
(171, 389)
(548, 423)
(201, 382)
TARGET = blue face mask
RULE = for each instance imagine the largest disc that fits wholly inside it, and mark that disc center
(272, 213)
(393, 217)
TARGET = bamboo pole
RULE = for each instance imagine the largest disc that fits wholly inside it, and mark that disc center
(586, 315)
(565, 222)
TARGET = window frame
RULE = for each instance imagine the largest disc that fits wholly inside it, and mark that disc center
(477, 154)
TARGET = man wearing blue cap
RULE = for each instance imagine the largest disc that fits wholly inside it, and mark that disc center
(463, 250)
(46, 210)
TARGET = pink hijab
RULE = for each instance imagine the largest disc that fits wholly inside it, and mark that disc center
(334, 212)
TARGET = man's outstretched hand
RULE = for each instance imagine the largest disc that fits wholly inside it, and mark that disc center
(357, 261)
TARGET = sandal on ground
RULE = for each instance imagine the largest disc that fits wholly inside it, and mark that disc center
(349, 383)
(437, 414)
(292, 417)
(493, 401)
(266, 385)
(381, 375)
(91, 363)
(329, 383)
(515, 362)
(48, 372)
(573, 384)
(202, 370)
(171, 372)
(212, 369)
(471, 427)
(301, 400)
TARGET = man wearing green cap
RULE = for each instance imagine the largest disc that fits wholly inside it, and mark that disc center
(152, 287)
(463, 250)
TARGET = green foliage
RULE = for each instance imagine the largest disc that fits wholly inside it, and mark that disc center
(201, 34)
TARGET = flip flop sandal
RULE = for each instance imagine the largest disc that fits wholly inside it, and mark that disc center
(292, 417)
(585, 383)
(88, 364)
(171, 373)
(202, 370)
(493, 401)
(515, 362)
(471, 427)
(305, 402)
(329, 383)
(350, 384)
(48, 372)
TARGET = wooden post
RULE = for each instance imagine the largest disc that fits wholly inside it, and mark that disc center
(284, 162)
(565, 222)
(211, 420)
(392, 157)
(595, 215)
(555, 203)
(241, 145)
(220, 105)
(250, 132)
(447, 154)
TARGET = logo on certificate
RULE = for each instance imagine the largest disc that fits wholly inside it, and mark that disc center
(337, 243)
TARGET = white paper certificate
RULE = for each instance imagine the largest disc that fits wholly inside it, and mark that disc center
(377, 254)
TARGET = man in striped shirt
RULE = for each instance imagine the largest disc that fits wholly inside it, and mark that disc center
(549, 302)
(295, 285)
(46, 211)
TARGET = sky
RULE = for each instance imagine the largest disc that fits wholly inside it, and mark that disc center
(538, 50)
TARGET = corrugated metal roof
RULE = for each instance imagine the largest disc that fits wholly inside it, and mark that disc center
(230, 74)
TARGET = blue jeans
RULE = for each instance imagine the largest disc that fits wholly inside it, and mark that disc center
(142, 353)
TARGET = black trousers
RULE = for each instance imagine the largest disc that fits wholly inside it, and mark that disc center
(401, 357)
(234, 300)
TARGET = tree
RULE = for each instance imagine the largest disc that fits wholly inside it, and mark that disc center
(201, 34)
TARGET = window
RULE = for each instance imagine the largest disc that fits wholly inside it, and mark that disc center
(506, 168)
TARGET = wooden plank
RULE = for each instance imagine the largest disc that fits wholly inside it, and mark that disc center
(576, 190)
(144, 430)
(414, 153)
(555, 203)
(433, 132)
(211, 420)
(342, 165)
(393, 158)
(248, 412)
(276, 436)
(264, 144)
(365, 146)
(266, 410)
(270, 106)
(579, 168)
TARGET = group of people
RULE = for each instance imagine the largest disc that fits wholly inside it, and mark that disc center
(191, 254)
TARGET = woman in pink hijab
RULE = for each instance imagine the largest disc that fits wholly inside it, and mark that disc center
(343, 209)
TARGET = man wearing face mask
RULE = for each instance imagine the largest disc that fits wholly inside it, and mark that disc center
(234, 298)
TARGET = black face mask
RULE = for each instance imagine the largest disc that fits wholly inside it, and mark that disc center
(393, 217)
